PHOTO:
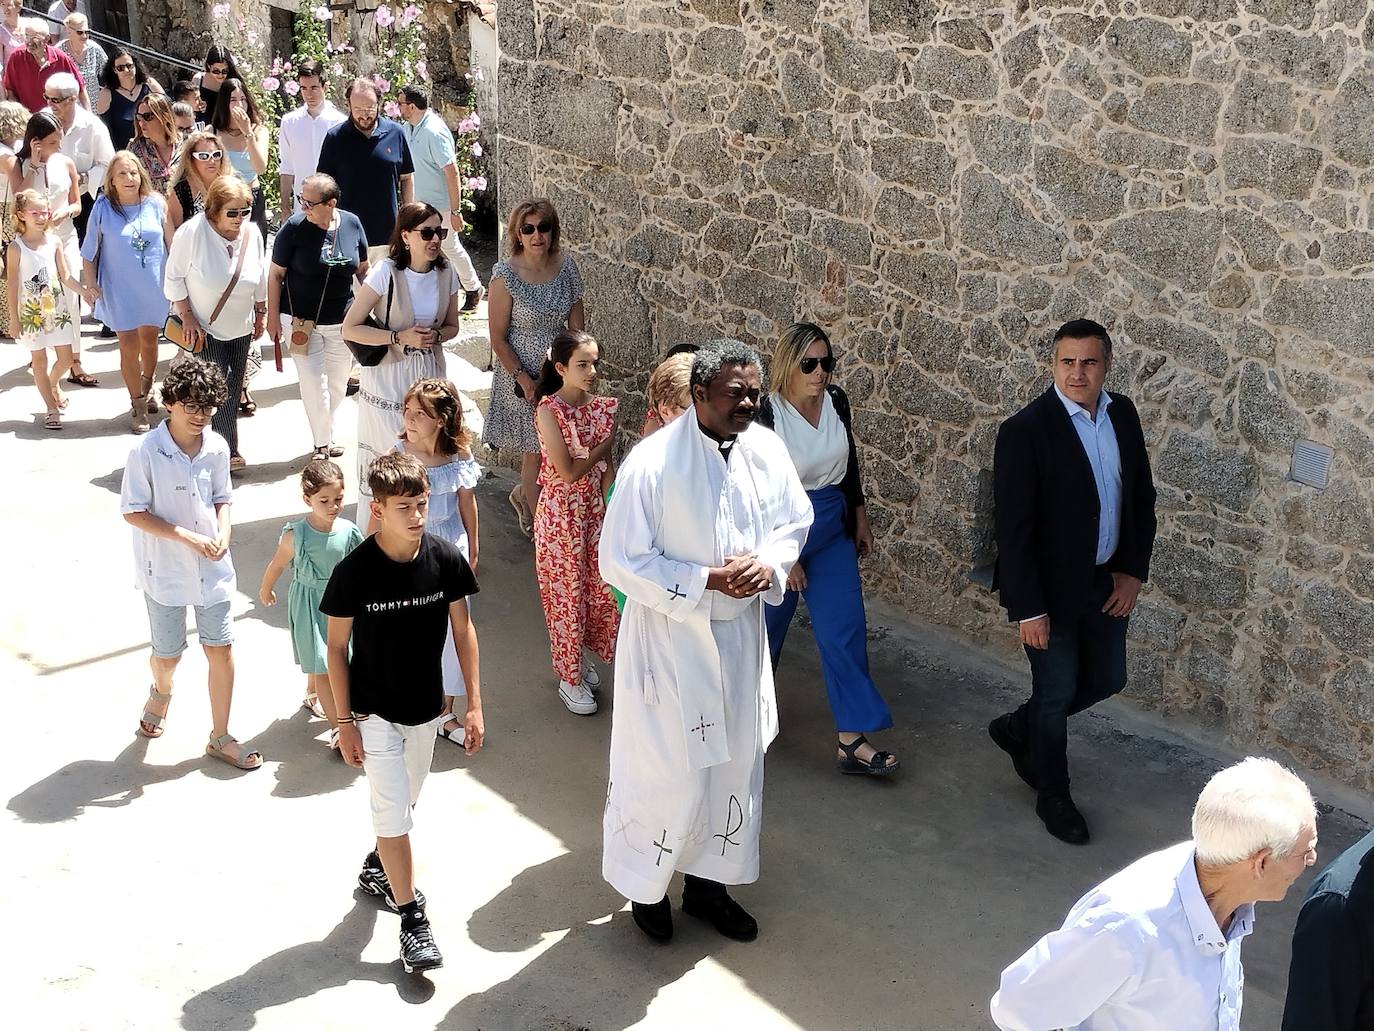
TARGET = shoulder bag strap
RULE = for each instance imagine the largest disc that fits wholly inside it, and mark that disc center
(234, 279)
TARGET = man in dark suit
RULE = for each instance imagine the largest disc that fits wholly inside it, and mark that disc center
(1075, 518)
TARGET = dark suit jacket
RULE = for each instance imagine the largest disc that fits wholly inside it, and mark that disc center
(1046, 509)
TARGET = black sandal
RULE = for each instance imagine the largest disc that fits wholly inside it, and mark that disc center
(247, 406)
(877, 766)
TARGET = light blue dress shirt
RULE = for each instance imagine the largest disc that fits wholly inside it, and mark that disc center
(432, 150)
(1098, 437)
(1140, 952)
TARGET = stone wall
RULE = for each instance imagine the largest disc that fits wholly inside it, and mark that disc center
(941, 184)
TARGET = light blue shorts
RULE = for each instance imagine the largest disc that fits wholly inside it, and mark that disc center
(167, 624)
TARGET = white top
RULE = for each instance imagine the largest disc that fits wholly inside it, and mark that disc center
(821, 452)
(53, 179)
(299, 140)
(57, 9)
(183, 490)
(199, 265)
(423, 287)
(1140, 952)
(88, 144)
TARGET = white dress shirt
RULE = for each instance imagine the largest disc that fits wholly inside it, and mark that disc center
(88, 144)
(820, 452)
(199, 266)
(299, 140)
(58, 11)
(1140, 952)
(183, 490)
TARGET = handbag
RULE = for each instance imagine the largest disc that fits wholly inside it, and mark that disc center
(175, 332)
(298, 342)
(370, 355)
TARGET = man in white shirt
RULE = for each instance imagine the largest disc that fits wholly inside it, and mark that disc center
(57, 14)
(1156, 947)
(85, 140)
(302, 133)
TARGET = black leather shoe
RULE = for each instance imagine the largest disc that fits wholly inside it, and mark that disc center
(708, 900)
(1061, 817)
(1000, 732)
(655, 920)
(471, 299)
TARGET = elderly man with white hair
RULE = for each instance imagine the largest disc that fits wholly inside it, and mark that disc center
(1156, 947)
(84, 139)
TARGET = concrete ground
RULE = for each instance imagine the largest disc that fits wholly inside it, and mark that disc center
(150, 887)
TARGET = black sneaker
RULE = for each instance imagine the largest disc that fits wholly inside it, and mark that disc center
(418, 951)
(373, 880)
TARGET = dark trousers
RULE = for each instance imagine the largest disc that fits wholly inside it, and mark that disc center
(80, 221)
(232, 358)
(1084, 664)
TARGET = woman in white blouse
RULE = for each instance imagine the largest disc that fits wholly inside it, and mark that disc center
(811, 415)
(415, 297)
(216, 280)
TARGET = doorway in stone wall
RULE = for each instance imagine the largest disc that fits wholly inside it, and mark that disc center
(283, 34)
(113, 20)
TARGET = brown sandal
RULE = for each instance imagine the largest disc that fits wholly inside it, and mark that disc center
(243, 762)
(152, 719)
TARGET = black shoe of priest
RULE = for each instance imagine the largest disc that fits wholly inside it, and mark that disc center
(654, 919)
(709, 901)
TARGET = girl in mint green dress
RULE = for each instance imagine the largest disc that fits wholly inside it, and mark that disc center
(312, 547)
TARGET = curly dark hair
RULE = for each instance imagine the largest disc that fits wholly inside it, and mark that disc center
(714, 355)
(192, 379)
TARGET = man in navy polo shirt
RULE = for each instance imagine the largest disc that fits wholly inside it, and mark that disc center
(369, 158)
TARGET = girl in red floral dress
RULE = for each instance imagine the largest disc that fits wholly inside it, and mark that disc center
(576, 434)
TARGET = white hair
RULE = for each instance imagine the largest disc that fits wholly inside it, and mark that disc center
(63, 83)
(1255, 804)
(33, 25)
(75, 20)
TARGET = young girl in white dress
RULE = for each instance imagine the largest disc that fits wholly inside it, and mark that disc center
(39, 282)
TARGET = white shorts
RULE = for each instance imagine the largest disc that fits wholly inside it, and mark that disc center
(396, 760)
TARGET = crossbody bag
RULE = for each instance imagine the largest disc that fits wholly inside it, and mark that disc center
(174, 331)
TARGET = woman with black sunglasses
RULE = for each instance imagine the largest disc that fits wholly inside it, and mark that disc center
(534, 295)
(811, 415)
(123, 84)
(414, 296)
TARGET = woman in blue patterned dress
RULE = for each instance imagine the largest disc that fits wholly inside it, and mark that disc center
(534, 295)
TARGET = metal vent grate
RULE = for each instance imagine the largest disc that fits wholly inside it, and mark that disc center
(1311, 464)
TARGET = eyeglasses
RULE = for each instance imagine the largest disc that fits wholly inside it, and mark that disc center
(37, 214)
(364, 112)
(306, 205)
(430, 232)
(237, 212)
(529, 228)
(808, 365)
(207, 155)
(146, 116)
(221, 71)
(124, 67)
(194, 408)
(54, 101)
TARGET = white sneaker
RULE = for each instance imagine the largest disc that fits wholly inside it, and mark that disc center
(578, 699)
(590, 676)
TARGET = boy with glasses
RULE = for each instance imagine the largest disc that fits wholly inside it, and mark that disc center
(176, 496)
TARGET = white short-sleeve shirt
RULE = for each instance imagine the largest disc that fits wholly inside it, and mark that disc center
(183, 490)
(422, 286)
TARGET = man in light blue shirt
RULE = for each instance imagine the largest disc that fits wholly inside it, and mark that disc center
(436, 181)
(1156, 947)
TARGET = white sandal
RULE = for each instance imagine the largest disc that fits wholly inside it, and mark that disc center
(458, 735)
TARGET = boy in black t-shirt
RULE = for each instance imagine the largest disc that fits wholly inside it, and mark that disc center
(395, 596)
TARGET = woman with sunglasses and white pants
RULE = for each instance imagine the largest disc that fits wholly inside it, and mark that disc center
(811, 415)
(216, 279)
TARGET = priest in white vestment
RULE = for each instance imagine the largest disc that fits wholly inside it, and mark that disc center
(707, 519)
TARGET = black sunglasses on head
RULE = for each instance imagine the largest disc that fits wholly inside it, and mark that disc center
(808, 365)
(430, 232)
(529, 228)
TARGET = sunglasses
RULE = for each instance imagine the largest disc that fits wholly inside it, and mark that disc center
(207, 155)
(808, 365)
(221, 71)
(54, 101)
(124, 67)
(529, 228)
(237, 212)
(193, 408)
(430, 232)
(146, 116)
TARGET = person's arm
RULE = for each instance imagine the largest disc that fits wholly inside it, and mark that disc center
(102, 100)
(569, 469)
(406, 171)
(226, 527)
(82, 97)
(281, 558)
(102, 153)
(276, 276)
(12, 287)
(577, 316)
(465, 642)
(69, 281)
(156, 527)
(452, 315)
(1015, 487)
(1134, 551)
(175, 288)
(1065, 977)
(467, 511)
(257, 148)
(173, 220)
(455, 197)
(350, 742)
(407, 189)
(499, 304)
(782, 547)
(1331, 974)
(73, 190)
